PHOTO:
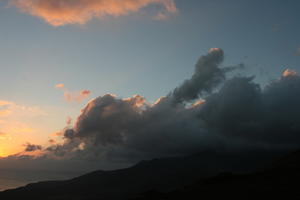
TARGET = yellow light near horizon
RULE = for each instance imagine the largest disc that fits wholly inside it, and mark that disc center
(1, 153)
(4, 153)
(21, 124)
(11, 145)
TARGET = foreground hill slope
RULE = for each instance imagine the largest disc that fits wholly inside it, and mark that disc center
(281, 180)
(162, 175)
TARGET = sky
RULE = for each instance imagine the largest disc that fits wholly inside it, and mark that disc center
(58, 59)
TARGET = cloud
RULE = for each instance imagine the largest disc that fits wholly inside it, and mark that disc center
(69, 121)
(5, 108)
(32, 147)
(112, 127)
(77, 96)
(206, 76)
(289, 72)
(8, 108)
(211, 111)
(60, 85)
(52, 141)
(263, 117)
(62, 12)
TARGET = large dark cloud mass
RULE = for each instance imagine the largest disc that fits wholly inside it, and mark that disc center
(207, 112)
(207, 75)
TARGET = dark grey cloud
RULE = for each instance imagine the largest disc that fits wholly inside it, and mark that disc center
(209, 112)
(212, 111)
(268, 117)
(281, 110)
(206, 76)
(110, 127)
(32, 147)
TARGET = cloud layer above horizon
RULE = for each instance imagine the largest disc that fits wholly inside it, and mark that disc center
(215, 110)
(209, 111)
(62, 12)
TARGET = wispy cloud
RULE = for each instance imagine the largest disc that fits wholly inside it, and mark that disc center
(76, 96)
(297, 52)
(60, 85)
(11, 108)
(62, 12)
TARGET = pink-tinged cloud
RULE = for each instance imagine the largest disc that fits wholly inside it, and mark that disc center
(62, 12)
(69, 121)
(60, 85)
(77, 96)
(289, 72)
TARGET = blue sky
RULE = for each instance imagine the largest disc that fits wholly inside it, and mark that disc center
(135, 54)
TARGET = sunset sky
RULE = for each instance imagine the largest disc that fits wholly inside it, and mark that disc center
(55, 58)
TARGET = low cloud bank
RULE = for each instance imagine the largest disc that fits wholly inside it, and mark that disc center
(211, 111)
(208, 112)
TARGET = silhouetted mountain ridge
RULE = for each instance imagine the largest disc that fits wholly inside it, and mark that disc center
(281, 180)
(163, 175)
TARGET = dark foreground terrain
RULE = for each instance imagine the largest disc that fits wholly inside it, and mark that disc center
(280, 181)
(206, 176)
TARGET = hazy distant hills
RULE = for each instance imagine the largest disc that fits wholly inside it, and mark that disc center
(13, 178)
(163, 175)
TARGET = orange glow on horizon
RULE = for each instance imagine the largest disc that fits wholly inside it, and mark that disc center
(22, 124)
